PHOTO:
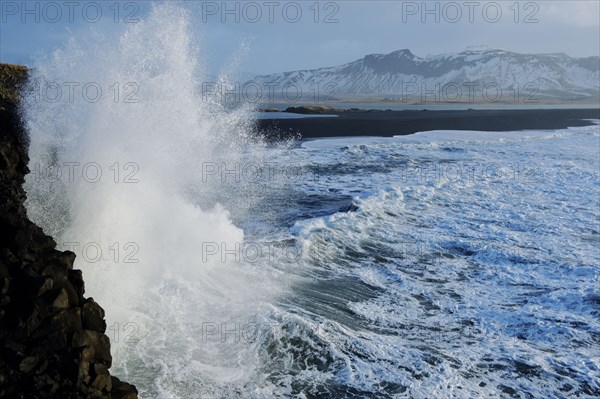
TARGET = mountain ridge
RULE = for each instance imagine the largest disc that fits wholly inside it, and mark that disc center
(555, 76)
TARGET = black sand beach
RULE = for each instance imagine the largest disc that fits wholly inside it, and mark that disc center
(393, 123)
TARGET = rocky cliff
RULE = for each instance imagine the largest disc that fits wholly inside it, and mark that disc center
(52, 341)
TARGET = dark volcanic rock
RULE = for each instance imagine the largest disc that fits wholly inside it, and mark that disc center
(52, 341)
(93, 316)
(313, 110)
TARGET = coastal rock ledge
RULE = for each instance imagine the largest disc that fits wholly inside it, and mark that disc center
(52, 339)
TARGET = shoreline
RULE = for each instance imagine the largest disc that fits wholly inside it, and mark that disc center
(376, 123)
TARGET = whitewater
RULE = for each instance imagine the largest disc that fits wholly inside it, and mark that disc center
(437, 265)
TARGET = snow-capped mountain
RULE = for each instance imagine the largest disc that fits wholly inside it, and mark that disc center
(472, 75)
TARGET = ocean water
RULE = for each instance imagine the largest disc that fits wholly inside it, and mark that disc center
(438, 265)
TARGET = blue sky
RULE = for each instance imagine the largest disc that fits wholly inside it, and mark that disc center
(286, 35)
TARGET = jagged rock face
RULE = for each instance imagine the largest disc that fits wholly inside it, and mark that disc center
(550, 76)
(52, 341)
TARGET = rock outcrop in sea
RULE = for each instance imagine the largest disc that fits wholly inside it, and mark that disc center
(52, 341)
